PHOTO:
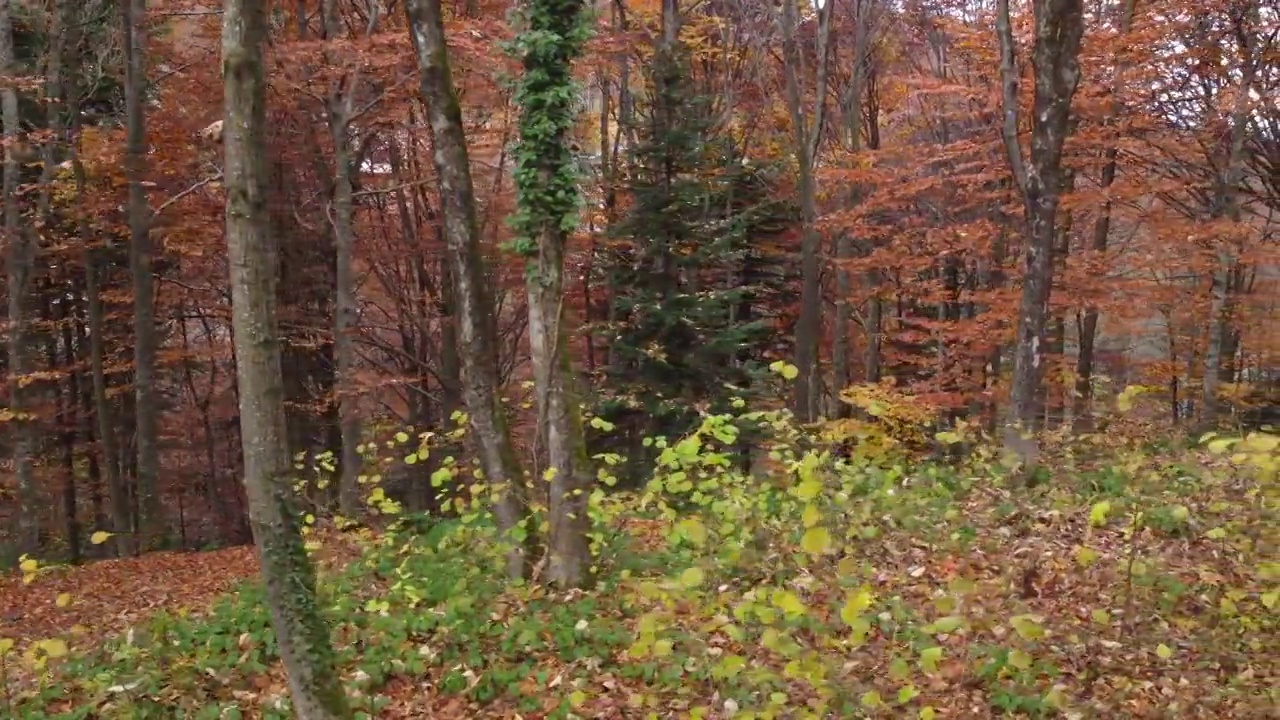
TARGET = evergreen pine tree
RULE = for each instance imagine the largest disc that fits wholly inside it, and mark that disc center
(688, 269)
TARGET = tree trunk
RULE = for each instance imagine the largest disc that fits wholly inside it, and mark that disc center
(19, 262)
(103, 410)
(341, 109)
(851, 106)
(1059, 25)
(547, 197)
(1087, 323)
(473, 305)
(301, 633)
(805, 146)
(151, 522)
(1225, 205)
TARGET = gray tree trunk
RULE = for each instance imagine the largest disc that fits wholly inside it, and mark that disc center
(474, 320)
(301, 633)
(151, 523)
(103, 409)
(806, 140)
(1087, 322)
(19, 259)
(846, 244)
(341, 110)
(1225, 204)
(1059, 25)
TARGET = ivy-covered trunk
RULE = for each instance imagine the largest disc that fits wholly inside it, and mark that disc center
(301, 634)
(547, 211)
(475, 323)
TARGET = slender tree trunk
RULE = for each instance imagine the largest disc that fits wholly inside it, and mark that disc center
(547, 198)
(341, 109)
(1059, 25)
(1225, 205)
(1087, 323)
(806, 140)
(103, 409)
(19, 262)
(473, 305)
(301, 633)
(151, 522)
(852, 105)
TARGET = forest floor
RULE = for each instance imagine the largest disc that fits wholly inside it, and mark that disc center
(1139, 588)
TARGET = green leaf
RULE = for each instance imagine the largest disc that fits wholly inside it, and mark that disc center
(788, 603)
(1028, 626)
(871, 700)
(948, 624)
(692, 577)
(929, 658)
(1019, 659)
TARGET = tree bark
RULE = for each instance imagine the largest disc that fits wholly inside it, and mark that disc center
(1087, 322)
(1059, 25)
(341, 110)
(301, 633)
(805, 145)
(1225, 204)
(547, 196)
(846, 244)
(474, 320)
(151, 522)
(19, 260)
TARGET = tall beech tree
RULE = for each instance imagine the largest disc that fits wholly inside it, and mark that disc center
(301, 633)
(1055, 60)
(476, 324)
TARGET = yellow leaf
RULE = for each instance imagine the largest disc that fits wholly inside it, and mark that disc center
(100, 537)
(1269, 599)
(1019, 659)
(402, 437)
(692, 577)
(6, 644)
(1219, 446)
(811, 515)
(871, 700)
(856, 604)
(1163, 651)
(788, 602)
(29, 565)
(1085, 556)
(1098, 513)
(809, 489)
(53, 647)
(1027, 626)
(816, 541)
(63, 600)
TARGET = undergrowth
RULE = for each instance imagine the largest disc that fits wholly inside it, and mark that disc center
(1134, 582)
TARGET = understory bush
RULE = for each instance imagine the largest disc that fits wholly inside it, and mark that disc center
(1134, 583)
